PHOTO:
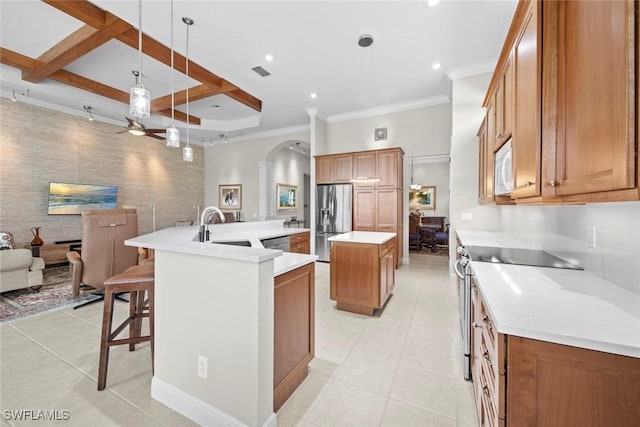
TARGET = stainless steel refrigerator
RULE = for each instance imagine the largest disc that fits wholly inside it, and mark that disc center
(333, 215)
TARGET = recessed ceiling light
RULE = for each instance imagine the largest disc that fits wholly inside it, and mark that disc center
(268, 57)
(436, 66)
(432, 3)
(313, 95)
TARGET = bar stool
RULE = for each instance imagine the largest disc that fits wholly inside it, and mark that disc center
(136, 280)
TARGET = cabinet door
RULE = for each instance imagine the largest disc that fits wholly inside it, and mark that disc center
(389, 165)
(386, 210)
(596, 130)
(324, 170)
(387, 276)
(485, 182)
(363, 210)
(343, 168)
(498, 105)
(527, 94)
(507, 110)
(365, 165)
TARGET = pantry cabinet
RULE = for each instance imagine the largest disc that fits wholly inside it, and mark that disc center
(385, 165)
(574, 117)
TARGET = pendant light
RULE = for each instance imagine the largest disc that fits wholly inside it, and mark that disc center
(187, 152)
(413, 187)
(173, 134)
(139, 97)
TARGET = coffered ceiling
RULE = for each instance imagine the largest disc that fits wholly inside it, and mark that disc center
(68, 54)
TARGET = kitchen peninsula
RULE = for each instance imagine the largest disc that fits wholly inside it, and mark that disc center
(218, 360)
(362, 270)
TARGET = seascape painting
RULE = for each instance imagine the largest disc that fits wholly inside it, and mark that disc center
(423, 199)
(72, 199)
(287, 197)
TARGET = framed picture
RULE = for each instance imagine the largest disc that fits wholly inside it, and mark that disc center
(287, 197)
(423, 199)
(230, 196)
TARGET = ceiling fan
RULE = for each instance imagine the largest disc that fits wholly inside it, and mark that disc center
(138, 129)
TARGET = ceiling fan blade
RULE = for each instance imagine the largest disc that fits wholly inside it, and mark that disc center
(156, 136)
(156, 131)
(134, 123)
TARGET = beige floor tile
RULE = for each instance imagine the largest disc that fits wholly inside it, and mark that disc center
(287, 419)
(368, 372)
(342, 404)
(379, 342)
(400, 414)
(324, 367)
(432, 356)
(427, 390)
(466, 405)
(306, 395)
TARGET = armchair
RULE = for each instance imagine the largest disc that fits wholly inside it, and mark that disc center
(103, 252)
(19, 269)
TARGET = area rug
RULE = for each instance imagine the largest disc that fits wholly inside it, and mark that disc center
(55, 294)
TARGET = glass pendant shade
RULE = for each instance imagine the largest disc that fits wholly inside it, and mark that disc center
(173, 136)
(415, 186)
(139, 101)
(187, 154)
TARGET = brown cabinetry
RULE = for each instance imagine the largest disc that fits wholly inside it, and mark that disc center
(485, 161)
(334, 168)
(386, 165)
(293, 327)
(524, 382)
(299, 243)
(362, 275)
(574, 114)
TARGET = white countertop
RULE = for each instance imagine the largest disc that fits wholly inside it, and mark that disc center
(185, 240)
(567, 307)
(371, 237)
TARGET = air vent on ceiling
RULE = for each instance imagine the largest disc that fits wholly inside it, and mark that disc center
(258, 69)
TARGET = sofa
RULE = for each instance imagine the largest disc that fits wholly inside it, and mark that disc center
(19, 269)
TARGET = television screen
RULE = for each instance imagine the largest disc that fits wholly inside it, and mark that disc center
(71, 199)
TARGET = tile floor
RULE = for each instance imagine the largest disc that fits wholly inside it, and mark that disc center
(400, 368)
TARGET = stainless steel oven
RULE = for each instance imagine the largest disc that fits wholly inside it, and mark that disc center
(463, 270)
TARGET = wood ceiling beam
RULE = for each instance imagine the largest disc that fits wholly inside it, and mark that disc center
(82, 10)
(76, 45)
(96, 17)
(17, 60)
(196, 93)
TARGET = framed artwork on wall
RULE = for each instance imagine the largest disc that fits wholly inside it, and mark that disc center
(230, 196)
(287, 197)
(423, 198)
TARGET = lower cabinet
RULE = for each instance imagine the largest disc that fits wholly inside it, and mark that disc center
(299, 243)
(293, 327)
(525, 382)
(362, 275)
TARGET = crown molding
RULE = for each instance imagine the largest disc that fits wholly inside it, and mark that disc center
(391, 108)
(472, 69)
(434, 158)
(316, 112)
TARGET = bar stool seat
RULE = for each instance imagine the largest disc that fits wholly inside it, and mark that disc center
(137, 281)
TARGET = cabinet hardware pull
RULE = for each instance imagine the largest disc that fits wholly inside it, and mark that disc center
(498, 136)
(476, 325)
(486, 356)
(553, 183)
(528, 183)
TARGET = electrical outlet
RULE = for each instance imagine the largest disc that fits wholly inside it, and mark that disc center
(203, 363)
(592, 236)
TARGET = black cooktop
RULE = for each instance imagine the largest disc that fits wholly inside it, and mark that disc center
(532, 257)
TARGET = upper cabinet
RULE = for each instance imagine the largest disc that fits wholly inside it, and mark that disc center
(337, 168)
(565, 90)
(386, 165)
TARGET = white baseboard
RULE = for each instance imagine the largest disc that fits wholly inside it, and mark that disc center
(197, 410)
(405, 260)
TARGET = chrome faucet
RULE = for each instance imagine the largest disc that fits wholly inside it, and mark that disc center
(203, 235)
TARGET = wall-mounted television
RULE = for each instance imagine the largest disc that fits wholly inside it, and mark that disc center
(72, 199)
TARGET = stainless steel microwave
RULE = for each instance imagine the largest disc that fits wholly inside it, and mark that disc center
(503, 172)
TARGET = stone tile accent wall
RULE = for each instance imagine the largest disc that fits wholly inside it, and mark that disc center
(38, 145)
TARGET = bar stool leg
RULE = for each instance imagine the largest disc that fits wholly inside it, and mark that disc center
(107, 319)
(133, 327)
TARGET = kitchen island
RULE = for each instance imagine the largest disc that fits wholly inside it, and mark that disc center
(362, 270)
(216, 309)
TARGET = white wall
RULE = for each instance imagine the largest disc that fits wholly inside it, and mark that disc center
(466, 116)
(237, 163)
(289, 168)
(434, 174)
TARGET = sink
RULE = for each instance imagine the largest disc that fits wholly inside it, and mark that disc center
(233, 242)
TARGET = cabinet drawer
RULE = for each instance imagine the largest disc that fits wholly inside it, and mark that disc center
(298, 238)
(300, 248)
(387, 246)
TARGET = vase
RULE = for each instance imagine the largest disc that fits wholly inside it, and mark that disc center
(37, 241)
